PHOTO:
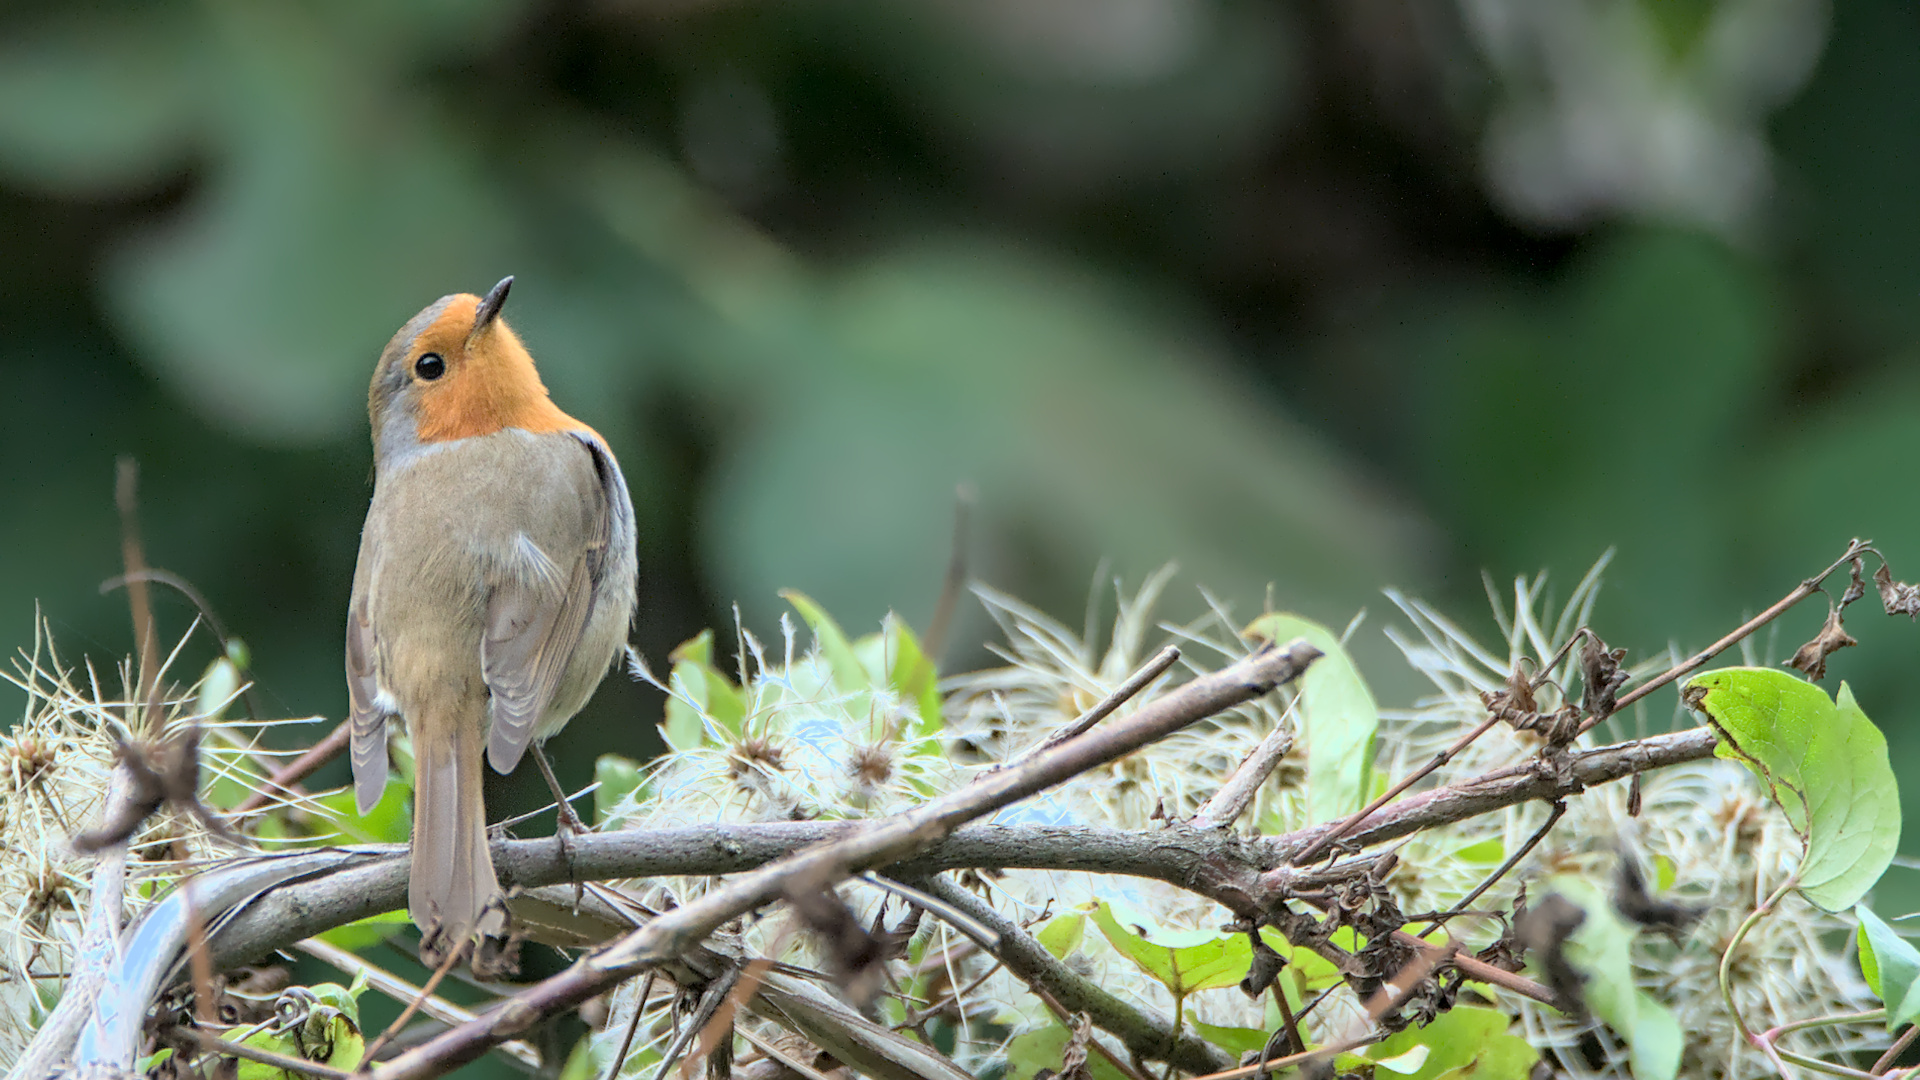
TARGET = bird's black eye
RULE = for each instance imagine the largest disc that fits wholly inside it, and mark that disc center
(430, 366)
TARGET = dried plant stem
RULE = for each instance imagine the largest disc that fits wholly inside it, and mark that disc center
(802, 1069)
(934, 643)
(1234, 796)
(403, 991)
(1513, 860)
(1144, 1032)
(146, 638)
(1340, 831)
(639, 1010)
(1137, 682)
(267, 1057)
(454, 956)
(1293, 1060)
(284, 779)
(1699, 660)
(874, 843)
(1893, 1052)
(99, 946)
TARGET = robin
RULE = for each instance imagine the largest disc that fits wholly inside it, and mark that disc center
(494, 588)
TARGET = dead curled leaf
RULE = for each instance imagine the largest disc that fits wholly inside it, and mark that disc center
(1602, 676)
(1898, 597)
(1811, 658)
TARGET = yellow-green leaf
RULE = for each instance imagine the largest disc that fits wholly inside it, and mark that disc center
(1338, 717)
(1063, 933)
(1219, 961)
(1891, 967)
(1466, 1041)
(1822, 761)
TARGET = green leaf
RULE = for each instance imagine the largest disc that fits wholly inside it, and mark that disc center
(1601, 950)
(1234, 1040)
(621, 785)
(912, 673)
(1063, 933)
(1822, 761)
(849, 674)
(1466, 1041)
(1042, 1049)
(218, 685)
(389, 822)
(893, 658)
(368, 932)
(1665, 873)
(710, 697)
(1220, 960)
(1338, 718)
(1891, 967)
(329, 1035)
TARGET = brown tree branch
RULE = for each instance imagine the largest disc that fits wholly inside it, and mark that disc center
(1242, 874)
(885, 841)
(1144, 1031)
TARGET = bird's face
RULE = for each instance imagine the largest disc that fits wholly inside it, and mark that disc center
(454, 371)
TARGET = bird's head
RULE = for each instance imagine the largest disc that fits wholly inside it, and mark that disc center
(454, 371)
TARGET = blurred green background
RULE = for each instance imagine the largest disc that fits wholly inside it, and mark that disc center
(1329, 295)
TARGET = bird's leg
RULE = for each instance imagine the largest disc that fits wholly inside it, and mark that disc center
(569, 824)
(569, 821)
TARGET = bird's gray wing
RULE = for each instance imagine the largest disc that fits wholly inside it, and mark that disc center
(366, 717)
(532, 628)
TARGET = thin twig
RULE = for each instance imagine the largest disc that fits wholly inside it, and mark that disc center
(453, 957)
(1512, 785)
(285, 779)
(199, 957)
(1559, 809)
(1148, 1034)
(879, 842)
(955, 580)
(979, 932)
(1292, 1060)
(1340, 831)
(146, 638)
(639, 1010)
(1899, 1047)
(266, 1057)
(1698, 660)
(1234, 796)
(806, 1072)
(717, 1033)
(710, 1000)
(207, 615)
(402, 991)
(1148, 672)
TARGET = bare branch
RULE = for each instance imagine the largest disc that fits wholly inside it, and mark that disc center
(1148, 672)
(1234, 796)
(1144, 1031)
(283, 780)
(870, 844)
(1699, 660)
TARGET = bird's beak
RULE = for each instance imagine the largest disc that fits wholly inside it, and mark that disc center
(488, 310)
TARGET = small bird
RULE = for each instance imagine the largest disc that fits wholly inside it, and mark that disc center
(494, 588)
